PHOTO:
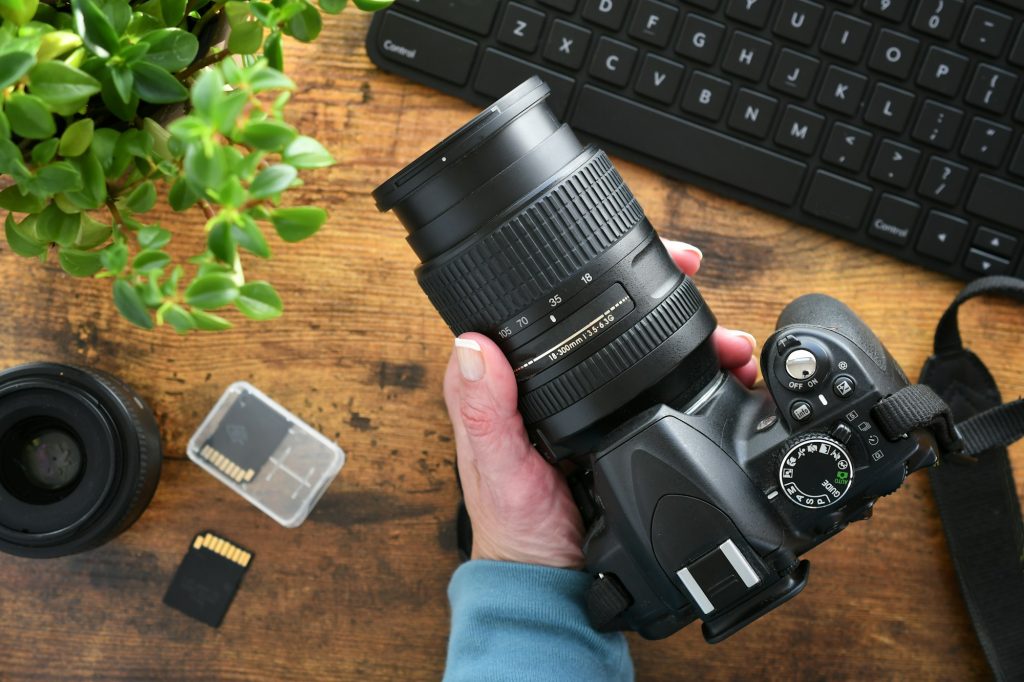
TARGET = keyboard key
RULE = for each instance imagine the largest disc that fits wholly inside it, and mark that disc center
(794, 73)
(659, 78)
(846, 37)
(747, 55)
(889, 107)
(893, 53)
(842, 90)
(997, 200)
(986, 141)
(942, 236)
(1017, 53)
(688, 146)
(798, 20)
(426, 48)
(991, 88)
(837, 199)
(937, 125)
(895, 163)
(894, 219)
(475, 15)
(1017, 163)
(893, 10)
(985, 263)
(943, 71)
(566, 44)
(607, 13)
(847, 147)
(521, 27)
(938, 17)
(943, 181)
(653, 22)
(1019, 114)
(799, 129)
(612, 61)
(986, 30)
(500, 72)
(700, 39)
(752, 12)
(564, 5)
(996, 242)
(705, 95)
(710, 5)
(752, 112)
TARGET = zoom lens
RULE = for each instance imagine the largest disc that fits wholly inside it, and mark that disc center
(79, 459)
(529, 237)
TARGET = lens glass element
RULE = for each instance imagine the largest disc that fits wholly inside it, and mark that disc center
(41, 461)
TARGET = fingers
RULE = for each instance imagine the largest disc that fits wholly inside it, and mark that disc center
(686, 256)
(735, 352)
(747, 374)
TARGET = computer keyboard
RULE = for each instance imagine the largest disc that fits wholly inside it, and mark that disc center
(897, 124)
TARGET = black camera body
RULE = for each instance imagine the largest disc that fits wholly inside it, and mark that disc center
(702, 510)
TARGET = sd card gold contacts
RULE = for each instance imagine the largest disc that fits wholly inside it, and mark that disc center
(208, 578)
(245, 439)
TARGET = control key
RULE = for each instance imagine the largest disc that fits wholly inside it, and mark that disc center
(425, 48)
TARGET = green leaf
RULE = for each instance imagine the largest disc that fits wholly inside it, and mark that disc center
(29, 117)
(179, 318)
(11, 199)
(259, 301)
(124, 110)
(54, 225)
(211, 291)
(296, 223)
(202, 171)
(182, 197)
(76, 138)
(11, 161)
(45, 151)
(172, 11)
(153, 237)
(114, 258)
(19, 242)
(142, 198)
(124, 80)
(91, 233)
(207, 89)
(61, 176)
(155, 85)
(250, 237)
(273, 52)
(104, 141)
(150, 259)
(269, 78)
(227, 110)
(57, 43)
(372, 5)
(13, 66)
(333, 6)
(133, 53)
(64, 88)
(119, 12)
(94, 27)
(18, 12)
(129, 302)
(268, 135)
(79, 263)
(305, 152)
(273, 180)
(305, 25)
(246, 33)
(209, 322)
(93, 191)
(221, 242)
(5, 126)
(171, 48)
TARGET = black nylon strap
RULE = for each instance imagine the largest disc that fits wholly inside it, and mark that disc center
(917, 407)
(977, 497)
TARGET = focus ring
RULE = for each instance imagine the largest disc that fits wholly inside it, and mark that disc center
(534, 251)
(616, 357)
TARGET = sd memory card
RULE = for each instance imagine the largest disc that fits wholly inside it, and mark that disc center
(246, 438)
(208, 578)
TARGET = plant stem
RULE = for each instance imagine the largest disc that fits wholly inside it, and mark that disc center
(116, 213)
(207, 16)
(203, 63)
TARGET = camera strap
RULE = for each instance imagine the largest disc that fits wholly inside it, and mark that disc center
(959, 402)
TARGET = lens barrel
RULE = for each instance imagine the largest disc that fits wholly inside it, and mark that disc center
(79, 459)
(531, 238)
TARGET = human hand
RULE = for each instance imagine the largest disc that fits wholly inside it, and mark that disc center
(519, 505)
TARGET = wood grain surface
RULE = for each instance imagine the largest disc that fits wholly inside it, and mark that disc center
(358, 592)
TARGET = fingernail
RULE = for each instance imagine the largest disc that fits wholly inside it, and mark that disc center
(748, 337)
(471, 360)
(693, 249)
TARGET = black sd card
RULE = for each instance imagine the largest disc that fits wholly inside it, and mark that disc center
(246, 438)
(208, 578)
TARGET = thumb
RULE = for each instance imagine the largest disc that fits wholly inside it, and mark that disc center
(480, 392)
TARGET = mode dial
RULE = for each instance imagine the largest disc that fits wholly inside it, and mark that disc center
(816, 471)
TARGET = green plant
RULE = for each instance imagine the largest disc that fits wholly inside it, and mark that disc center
(84, 155)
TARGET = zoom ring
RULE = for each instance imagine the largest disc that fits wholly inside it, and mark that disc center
(533, 252)
(615, 358)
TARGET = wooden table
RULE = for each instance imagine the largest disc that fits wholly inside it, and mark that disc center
(358, 592)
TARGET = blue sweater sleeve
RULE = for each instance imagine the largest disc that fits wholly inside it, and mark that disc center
(516, 622)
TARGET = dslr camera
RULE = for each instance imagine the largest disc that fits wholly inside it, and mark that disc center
(700, 495)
